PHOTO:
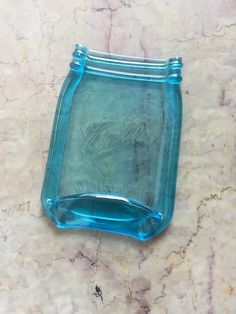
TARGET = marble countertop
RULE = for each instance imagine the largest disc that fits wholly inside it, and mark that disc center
(191, 267)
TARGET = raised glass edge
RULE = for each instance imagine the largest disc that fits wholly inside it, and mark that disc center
(128, 67)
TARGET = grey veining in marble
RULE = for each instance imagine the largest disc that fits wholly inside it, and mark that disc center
(191, 267)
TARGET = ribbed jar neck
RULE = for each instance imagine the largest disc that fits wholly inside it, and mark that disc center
(119, 66)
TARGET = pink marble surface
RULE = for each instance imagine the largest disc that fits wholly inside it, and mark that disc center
(191, 267)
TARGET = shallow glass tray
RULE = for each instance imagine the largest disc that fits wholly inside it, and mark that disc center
(114, 148)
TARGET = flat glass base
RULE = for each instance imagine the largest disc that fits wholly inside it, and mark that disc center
(114, 149)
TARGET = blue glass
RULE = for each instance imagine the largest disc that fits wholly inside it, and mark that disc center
(113, 156)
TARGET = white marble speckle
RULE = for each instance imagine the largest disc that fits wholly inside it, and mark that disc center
(191, 267)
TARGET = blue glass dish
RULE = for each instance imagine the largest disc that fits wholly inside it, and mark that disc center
(113, 156)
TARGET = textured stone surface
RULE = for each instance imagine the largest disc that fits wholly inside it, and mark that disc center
(188, 269)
